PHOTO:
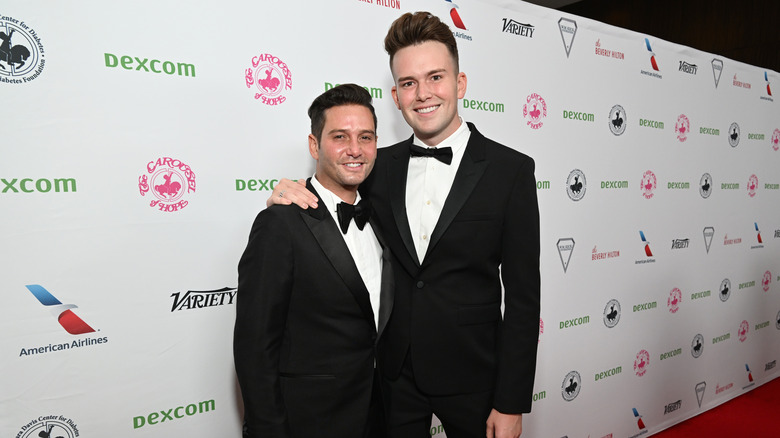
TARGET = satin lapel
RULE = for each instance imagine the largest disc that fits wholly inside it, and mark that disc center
(396, 174)
(387, 290)
(468, 175)
(328, 235)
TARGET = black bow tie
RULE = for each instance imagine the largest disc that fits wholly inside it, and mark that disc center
(360, 212)
(442, 154)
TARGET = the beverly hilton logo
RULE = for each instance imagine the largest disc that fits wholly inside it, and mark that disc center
(270, 77)
(734, 134)
(742, 333)
(697, 346)
(705, 185)
(21, 52)
(170, 181)
(576, 185)
(568, 30)
(682, 127)
(752, 185)
(724, 290)
(648, 184)
(565, 248)
(673, 302)
(612, 313)
(570, 388)
(65, 316)
(776, 140)
(618, 121)
(641, 363)
(535, 110)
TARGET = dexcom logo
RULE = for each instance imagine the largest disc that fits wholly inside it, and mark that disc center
(174, 413)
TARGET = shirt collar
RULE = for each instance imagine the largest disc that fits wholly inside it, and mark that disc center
(457, 140)
(328, 197)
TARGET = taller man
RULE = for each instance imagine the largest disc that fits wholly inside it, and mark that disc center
(460, 214)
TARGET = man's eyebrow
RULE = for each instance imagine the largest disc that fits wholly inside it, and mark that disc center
(432, 72)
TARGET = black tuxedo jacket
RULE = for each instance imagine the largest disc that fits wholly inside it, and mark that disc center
(305, 338)
(447, 309)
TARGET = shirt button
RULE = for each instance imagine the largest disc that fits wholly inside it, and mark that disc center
(425, 237)
(420, 284)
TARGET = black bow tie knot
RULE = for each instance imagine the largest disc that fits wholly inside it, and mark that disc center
(360, 212)
(442, 154)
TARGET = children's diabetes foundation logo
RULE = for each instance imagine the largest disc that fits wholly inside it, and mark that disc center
(65, 316)
(21, 52)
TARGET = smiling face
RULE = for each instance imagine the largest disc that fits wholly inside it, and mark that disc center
(347, 150)
(427, 88)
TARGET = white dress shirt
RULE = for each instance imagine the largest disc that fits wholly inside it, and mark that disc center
(362, 244)
(428, 183)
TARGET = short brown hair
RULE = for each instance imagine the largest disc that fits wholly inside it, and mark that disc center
(412, 29)
(345, 94)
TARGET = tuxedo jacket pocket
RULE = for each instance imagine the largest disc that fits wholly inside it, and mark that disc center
(480, 314)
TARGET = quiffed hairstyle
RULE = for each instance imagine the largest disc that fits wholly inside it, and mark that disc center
(345, 94)
(412, 29)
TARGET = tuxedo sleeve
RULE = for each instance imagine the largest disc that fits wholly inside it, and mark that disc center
(265, 274)
(521, 280)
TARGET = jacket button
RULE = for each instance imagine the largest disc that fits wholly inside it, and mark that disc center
(420, 284)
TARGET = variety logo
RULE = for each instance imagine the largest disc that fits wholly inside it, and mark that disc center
(671, 407)
(47, 426)
(565, 249)
(576, 185)
(742, 333)
(198, 299)
(518, 28)
(734, 134)
(673, 302)
(612, 313)
(777, 319)
(170, 180)
(776, 140)
(570, 388)
(725, 290)
(766, 281)
(752, 185)
(697, 348)
(680, 243)
(271, 77)
(648, 184)
(535, 110)
(740, 84)
(705, 187)
(770, 365)
(65, 316)
(618, 120)
(608, 53)
(700, 388)
(688, 68)
(682, 127)
(641, 363)
(709, 233)
(717, 69)
(568, 30)
(21, 52)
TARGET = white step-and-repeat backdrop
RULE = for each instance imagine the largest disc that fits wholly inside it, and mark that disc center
(139, 140)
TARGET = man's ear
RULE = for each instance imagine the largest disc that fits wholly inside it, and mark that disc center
(314, 148)
(394, 92)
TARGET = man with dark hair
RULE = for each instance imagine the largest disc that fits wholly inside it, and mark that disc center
(315, 292)
(456, 209)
